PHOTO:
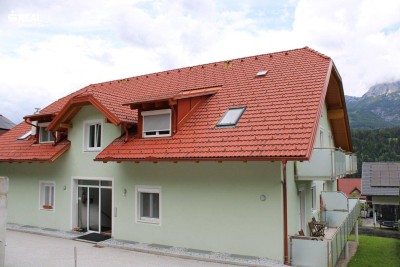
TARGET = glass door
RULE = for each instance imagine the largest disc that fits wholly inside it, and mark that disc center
(94, 206)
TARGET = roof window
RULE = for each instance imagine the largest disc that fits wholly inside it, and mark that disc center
(261, 73)
(25, 135)
(231, 117)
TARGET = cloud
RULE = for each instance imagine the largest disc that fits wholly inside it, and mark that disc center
(56, 47)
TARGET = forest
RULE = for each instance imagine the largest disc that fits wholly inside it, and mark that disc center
(376, 145)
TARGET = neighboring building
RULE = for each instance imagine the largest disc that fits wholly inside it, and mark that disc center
(381, 183)
(5, 124)
(351, 187)
(228, 157)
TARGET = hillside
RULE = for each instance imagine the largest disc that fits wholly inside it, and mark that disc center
(378, 108)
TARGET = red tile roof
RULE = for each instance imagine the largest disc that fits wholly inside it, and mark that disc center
(14, 150)
(349, 185)
(282, 111)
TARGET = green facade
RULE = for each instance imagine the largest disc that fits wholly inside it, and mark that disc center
(207, 205)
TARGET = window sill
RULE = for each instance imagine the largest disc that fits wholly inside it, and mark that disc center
(149, 221)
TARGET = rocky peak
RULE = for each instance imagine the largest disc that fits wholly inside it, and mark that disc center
(383, 89)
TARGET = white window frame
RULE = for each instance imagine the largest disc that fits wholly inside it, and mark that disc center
(313, 197)
(86, 126)
(148, 189)
(222, 124)
(49, 133)
(321, 137)
(157, 131)
(42, 197)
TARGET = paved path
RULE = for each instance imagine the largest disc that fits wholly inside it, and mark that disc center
(32, 250)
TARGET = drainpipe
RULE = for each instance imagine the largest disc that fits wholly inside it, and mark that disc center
(3, 218)
(285, 219)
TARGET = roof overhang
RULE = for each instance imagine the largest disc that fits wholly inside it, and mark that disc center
(337, 112)
(73, 106)
(172, 100)
(41, 117)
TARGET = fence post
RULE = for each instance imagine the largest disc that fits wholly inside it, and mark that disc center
(3, 218)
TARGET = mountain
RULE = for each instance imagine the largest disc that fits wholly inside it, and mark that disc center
(378, 108)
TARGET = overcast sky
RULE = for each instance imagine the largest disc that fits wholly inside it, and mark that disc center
(49, 48)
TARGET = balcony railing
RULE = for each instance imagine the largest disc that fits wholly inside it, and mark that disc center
(351, 163)
(341, 214)
(325, 164)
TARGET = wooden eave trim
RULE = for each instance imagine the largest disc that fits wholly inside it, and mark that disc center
(61, 152)
(172, 100)
(41, 117)
(78, 102)
(218, 159)
(319, 111)
(344, 107)
(335, 114)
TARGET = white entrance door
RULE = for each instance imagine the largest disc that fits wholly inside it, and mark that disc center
(94, 209)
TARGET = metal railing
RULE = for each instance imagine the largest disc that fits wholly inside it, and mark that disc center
(324, 164)
(325, 252)
(340, 238)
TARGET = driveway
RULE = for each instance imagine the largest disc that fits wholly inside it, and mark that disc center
(32, 250)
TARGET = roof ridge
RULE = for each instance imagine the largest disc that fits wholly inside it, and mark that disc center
(210, 63)
(316, 52)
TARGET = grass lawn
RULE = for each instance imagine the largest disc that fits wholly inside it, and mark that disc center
(376, 251)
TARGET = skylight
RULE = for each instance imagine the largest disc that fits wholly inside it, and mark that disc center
(24, 136)
(231, 117)
(261, 73)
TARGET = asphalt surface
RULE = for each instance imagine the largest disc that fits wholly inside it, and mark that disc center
(32, 250)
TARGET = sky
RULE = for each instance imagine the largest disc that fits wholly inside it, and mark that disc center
(50, 48)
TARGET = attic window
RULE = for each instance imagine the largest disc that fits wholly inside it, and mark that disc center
(156, 123)
(231, 117)
(261, 73)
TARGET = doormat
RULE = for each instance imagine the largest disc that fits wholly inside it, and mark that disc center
(93, 237)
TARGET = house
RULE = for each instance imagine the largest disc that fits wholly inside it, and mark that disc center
(5, 124)
(381, 183)
(351, 187)
(229, 157)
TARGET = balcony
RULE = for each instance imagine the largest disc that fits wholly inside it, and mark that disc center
(351, 163)
(341, 215)
(326, 164)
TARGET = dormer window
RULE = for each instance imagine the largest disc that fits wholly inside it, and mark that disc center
(231, 117)
(44, 135)
(156, 123)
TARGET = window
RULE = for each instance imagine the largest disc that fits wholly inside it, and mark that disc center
(148, 208)
(45, 136)
(92, 136)
(313, 197)
(46, 195)
(231, 117)
(321, 137)
(156, 123)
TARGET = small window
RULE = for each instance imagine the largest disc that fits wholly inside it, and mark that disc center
(157, 123)
(321, 138)
(231, 117)
(45, 136)
(313, 197)
(148, 209)
(93, 136)
(46, 195)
